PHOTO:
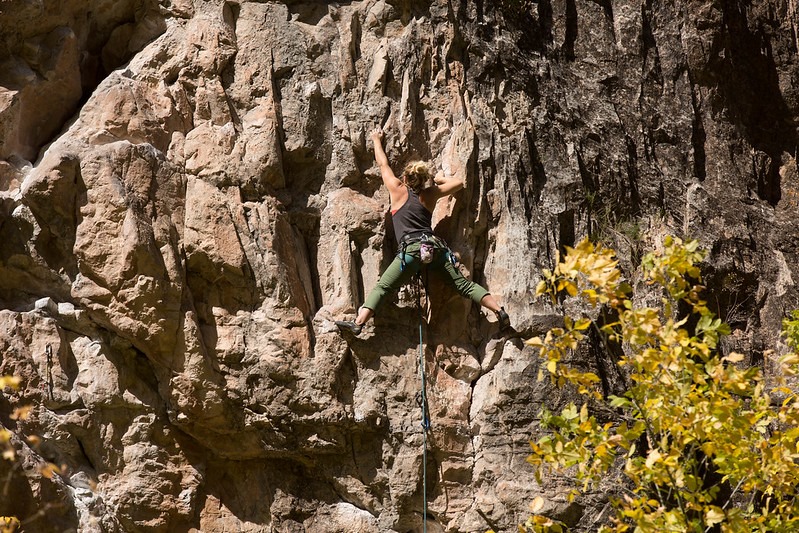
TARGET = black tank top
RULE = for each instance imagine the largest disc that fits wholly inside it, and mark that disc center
(412, 217)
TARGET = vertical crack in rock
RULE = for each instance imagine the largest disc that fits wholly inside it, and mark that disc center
(698, 136)
(570, 37)
(750, 83)
(632, 177)
(545, 14)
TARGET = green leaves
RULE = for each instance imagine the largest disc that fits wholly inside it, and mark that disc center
(696, 431)
(790, 330)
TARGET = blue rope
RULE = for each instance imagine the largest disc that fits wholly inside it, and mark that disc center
(425, 417)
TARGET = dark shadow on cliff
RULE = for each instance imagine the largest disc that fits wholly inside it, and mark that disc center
(743, 61)
(284, 493)
(311, 12)
(41, 504)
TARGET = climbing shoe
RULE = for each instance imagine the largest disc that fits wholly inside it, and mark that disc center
(349, 325)
(503, 319)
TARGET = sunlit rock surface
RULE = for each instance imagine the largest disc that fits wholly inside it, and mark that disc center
(188, 200)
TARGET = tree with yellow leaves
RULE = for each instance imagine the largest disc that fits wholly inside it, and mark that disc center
(7, 523)
(706, 445)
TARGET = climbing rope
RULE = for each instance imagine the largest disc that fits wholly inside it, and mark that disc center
(423, 403)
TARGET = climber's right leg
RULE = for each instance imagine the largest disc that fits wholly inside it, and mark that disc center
(397, 274)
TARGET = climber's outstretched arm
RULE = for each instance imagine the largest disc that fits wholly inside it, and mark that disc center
(392, 183)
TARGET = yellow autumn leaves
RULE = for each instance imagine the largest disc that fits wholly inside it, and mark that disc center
(5, 435)
(9, 524)
(701, 442)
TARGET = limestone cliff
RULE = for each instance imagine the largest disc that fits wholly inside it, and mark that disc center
(188, 199)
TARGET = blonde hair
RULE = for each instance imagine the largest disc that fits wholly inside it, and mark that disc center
(416, 175)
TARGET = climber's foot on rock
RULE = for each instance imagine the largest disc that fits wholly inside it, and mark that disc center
(503, 319)
(349, 325)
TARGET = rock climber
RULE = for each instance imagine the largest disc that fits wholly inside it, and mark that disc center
(413, 199)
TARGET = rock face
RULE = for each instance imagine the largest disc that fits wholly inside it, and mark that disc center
(188, 199)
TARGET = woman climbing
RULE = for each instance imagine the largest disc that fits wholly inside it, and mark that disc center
(413, 199)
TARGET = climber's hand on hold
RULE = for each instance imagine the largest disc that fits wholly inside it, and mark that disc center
(377, 135)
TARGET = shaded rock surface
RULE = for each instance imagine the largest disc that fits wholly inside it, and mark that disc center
(188, 200)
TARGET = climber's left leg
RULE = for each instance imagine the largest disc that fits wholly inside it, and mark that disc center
(475, 292)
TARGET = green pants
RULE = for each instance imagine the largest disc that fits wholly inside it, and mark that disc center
(395, 276)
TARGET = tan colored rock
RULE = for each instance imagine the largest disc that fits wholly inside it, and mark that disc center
(188, 199)
(45, 81)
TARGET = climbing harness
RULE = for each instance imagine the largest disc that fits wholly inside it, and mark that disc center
(407, 240)
(428, 244)
(422, 401)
